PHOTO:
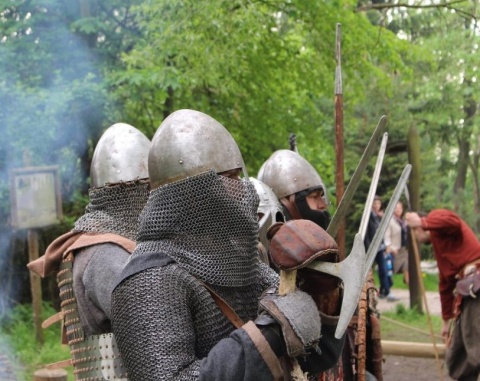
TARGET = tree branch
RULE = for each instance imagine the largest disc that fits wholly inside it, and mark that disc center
(380, 6)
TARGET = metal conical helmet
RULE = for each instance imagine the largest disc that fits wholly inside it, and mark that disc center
(286, 172)
(121, 155)
(188, 143)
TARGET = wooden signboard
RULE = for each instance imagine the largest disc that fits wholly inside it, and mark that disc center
(35, 197)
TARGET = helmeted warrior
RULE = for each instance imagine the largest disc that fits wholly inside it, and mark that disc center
(302, 193)
(186, 305)
(297, 185)
(90, 257)
(269, 212)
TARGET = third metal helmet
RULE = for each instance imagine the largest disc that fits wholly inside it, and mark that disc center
(286, 172)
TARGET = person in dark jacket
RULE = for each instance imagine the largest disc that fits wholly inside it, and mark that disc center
(373, 223)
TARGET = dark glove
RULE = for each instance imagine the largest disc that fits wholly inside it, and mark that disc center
(298, 318)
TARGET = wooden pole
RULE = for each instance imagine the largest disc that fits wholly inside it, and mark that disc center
(50, 375)
(361, 337)
(36, 286)
(413, 239)
(413, 189)
(409, 349)
(339, 173)
(35, 281)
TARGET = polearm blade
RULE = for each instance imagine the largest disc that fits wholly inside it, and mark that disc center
(350, 271)
(353, 270)
(387, 216)
(340, 171)
(346, 201)
(373, 187)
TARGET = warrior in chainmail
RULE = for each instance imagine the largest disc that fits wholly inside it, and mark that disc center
(187, 303)
(90, 257)
(302, 193)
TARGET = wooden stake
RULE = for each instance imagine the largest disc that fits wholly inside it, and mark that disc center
(36, 286)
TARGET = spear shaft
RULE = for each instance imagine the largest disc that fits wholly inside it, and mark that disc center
(339, 173)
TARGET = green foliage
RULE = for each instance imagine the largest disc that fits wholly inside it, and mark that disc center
(442, 101)
(16, 331)
(264, 69)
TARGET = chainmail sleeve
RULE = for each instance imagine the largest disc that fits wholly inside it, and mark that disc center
(168, 327)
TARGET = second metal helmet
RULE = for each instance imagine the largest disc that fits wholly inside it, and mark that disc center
(286, 172)
(188, 143)
(120, 156)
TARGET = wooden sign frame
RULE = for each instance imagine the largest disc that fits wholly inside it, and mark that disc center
(35, 197)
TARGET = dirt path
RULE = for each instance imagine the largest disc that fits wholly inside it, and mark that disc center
(400, 368)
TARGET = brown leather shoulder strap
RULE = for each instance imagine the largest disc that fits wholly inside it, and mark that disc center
(87, 240)
(225, 308)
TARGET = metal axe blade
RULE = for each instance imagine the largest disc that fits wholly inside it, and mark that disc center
(350, 271)
(373, 187)
(353, 270)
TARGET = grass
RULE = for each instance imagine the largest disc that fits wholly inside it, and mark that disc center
(18, 338)
(409, 325)
(430, 281)
(404, 324)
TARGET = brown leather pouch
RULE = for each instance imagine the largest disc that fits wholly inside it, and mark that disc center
(470, 285)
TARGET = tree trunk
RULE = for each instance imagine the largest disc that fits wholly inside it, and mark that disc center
(462, 167)
(413, 147)
(476, 190)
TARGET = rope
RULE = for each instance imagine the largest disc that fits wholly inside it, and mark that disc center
(408, 326)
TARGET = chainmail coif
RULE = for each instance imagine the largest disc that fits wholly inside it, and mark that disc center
(208, 225)
(164, 319)
(115, 209)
